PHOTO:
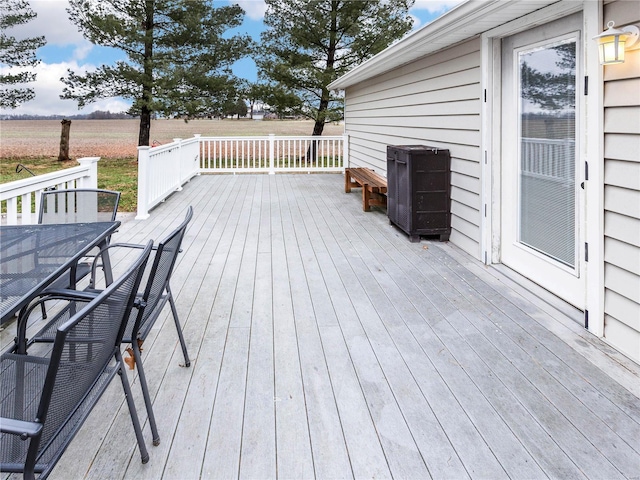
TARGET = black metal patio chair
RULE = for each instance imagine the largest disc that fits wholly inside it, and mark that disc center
(82, 205)
(78, 206)
(151, 301)
(154, 294)
(48, 390)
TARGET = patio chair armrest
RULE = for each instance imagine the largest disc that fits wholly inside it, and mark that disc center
(21, 428)
(94, 265)
(128, 245)
(45, 296)
(135, 245)
(69, 294)
(56, 294)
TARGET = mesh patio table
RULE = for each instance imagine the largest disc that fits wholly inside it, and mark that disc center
(33, 256)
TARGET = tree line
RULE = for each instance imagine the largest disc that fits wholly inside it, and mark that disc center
(178, 55)
(95, 115)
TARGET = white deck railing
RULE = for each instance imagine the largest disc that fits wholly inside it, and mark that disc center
(21, 199)
(549, 158)
(164, 169)
(271, 154)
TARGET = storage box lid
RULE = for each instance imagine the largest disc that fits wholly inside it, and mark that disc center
(417, 148)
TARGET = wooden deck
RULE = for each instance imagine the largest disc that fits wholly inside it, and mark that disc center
(325, 344)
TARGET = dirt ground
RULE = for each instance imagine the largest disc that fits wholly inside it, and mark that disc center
(23, 139)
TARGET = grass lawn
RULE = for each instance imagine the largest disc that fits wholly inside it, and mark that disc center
(120, 174)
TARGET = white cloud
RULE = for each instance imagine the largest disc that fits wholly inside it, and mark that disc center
(82, 50)
(48, 89)
(417, 23)
(435, 6)
(254, 9)
(52, 21)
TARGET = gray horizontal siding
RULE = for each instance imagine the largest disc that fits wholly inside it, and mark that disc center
(622, 193)
(433, 101)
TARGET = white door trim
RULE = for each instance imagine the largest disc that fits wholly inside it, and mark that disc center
(592, 143)
(593, 149)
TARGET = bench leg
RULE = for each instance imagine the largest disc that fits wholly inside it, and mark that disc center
(347, 181)
(365, 198)
(377, 199)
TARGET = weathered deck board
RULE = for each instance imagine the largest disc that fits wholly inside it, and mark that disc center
(548, 384)
(620, 450)
(325, 344)
(325, 430)
(416, 406)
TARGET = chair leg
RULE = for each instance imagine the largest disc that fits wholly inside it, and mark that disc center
(174, 311)
(132, 408)
(145, 393)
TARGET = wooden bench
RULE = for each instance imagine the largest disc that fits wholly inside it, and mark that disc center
(374, 186)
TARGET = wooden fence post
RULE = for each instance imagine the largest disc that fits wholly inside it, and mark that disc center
(64, 140)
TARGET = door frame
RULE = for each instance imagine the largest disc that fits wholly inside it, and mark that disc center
(591, 143)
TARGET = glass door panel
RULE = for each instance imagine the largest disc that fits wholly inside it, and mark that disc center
(547, 138)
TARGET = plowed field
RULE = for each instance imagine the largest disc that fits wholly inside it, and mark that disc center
(23, 139)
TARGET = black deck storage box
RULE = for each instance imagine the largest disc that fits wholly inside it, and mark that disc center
(419, 190)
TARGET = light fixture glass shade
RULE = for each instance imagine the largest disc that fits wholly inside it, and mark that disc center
(611, 49)
(611, 44)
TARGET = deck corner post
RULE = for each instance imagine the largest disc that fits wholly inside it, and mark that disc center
(199, 156)
(345, 151)
(143, 183)
(91, 179)
(178, 141)
(272, 144)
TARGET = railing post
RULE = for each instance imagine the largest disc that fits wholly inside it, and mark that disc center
(91, 181)
(179, 173)
(199, 157)
(272, 150)
(143, 183)
(345, 151)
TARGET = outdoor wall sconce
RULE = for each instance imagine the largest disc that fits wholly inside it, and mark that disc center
(613, 42)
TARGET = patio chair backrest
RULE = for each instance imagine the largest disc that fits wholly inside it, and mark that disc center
(83, 352)
(78, 206)
(162, 266)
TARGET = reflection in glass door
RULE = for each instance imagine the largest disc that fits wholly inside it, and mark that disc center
(547, 138)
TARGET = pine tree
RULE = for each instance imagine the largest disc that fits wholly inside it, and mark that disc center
(17, 53)
(310, 43)
(178, 60)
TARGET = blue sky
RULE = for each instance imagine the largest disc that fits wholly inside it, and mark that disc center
(66, 48)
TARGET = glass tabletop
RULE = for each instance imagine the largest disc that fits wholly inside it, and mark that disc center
(33, 256)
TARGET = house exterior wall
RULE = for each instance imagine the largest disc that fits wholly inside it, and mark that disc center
(622, 191)
(437, 100)
(434, 101)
